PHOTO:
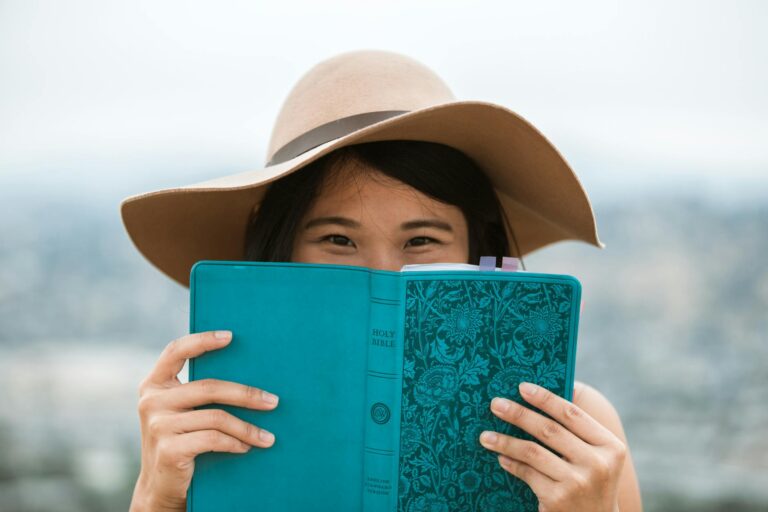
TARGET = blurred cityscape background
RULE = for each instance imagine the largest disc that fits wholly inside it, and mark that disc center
(660, 107)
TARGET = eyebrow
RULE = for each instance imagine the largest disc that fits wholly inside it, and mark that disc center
(411, 224)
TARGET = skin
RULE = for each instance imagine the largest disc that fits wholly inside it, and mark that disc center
(370, 220)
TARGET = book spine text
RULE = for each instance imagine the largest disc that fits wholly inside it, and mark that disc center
(383, 392)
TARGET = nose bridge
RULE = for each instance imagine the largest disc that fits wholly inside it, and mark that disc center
(384, 262)
(384, 255)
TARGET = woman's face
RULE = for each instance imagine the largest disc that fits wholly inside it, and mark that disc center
(365, 218)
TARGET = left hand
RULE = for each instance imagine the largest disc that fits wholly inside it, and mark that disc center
(585, 479)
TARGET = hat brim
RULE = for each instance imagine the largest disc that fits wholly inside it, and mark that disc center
(542, 197)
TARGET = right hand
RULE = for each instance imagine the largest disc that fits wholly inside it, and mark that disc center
(173, 432)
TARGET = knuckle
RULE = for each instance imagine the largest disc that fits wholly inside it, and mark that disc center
(252, 393)
(166, 456)
(146, 405)
(173, 346)
(546, 397)
(573, 411)
(620, 452)
(550, 430)
(518, 411)
(580, 483)
(211, 439)
(249, 431)
(208, 386)
(217, 418)
(155, 427)
(531, 451)
(144, 386)
(601, 469)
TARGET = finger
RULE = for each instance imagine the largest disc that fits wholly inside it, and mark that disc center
(540, 484)
(568, 414)
(187, 446)
(216, 419)
(548, 431)
(175, 354)
(532, 454)
(214, 391)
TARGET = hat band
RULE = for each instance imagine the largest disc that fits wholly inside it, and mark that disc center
(329, 131)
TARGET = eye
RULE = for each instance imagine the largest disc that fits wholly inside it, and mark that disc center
(422, 240)
(340, 240)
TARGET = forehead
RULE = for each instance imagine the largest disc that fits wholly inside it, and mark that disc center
(358, 191)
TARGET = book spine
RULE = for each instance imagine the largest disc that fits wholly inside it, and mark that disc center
(383, 392)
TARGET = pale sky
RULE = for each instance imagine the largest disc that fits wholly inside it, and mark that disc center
(131, 95)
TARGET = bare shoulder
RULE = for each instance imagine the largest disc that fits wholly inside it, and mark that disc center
(594, 403)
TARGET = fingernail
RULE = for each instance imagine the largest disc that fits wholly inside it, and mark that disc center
(222, 334)
(528, 388)
(266, 436)
(488, 437)
(499, 404)
(268, 397)
(504, 461)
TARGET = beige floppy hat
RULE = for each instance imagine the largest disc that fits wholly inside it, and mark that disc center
(366, 96)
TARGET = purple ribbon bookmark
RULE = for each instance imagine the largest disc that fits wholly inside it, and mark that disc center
(509, 264)
(488, 263)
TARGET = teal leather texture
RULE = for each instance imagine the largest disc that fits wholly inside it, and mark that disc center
(384, 378)
(467, 340)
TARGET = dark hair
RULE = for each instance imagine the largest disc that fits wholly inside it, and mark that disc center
(439, 171)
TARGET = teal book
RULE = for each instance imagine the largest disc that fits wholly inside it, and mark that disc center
(385, 381)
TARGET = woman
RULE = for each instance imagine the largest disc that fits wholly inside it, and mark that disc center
(373, 163)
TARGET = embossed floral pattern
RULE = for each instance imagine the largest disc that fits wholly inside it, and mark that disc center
(429, 503)
(467, 341)
(409, 439)
(469, 481)
(436, 384)
(541, 326)
(463, 321)
(503, 501)
(403, 485)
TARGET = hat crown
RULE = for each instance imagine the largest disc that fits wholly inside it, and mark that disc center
(355, 83)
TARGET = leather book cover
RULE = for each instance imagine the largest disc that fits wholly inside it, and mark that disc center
(385, 380)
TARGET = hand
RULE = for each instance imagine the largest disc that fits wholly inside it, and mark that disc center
(173, 433)
(585, 479)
